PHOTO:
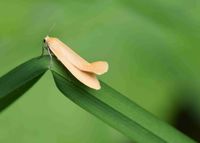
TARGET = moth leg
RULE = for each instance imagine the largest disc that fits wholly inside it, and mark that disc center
(43, 48)
(51, 59)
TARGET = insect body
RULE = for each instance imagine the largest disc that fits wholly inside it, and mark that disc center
(84, 71)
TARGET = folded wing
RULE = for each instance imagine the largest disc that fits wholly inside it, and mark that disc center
(99, 67)
(86, 78)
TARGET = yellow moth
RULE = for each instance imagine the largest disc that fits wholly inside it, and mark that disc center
(84, 71)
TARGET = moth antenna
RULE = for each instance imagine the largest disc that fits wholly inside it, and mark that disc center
(51, 28)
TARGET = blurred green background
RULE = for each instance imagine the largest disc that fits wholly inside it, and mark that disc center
(152, 47)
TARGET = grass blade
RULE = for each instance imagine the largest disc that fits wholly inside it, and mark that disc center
(117, 110)
(19, 80)
(107, 104)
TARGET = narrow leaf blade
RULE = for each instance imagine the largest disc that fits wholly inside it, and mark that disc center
(16, 82)
(116, 110)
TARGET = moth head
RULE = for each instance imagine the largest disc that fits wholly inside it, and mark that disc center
(45, 42)
(46, 39)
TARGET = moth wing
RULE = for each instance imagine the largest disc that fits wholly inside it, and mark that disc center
(89, 79)
(99, 67)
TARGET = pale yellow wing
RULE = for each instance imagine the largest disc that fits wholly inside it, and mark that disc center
(99, 67)
(89, 79)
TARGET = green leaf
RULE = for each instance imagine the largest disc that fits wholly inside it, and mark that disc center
(107, 104)
(116, 110)
(19, 80)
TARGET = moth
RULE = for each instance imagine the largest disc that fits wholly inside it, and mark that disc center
(81, 69)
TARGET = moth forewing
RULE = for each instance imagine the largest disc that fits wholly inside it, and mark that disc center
(88, 79)
(99, 67)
